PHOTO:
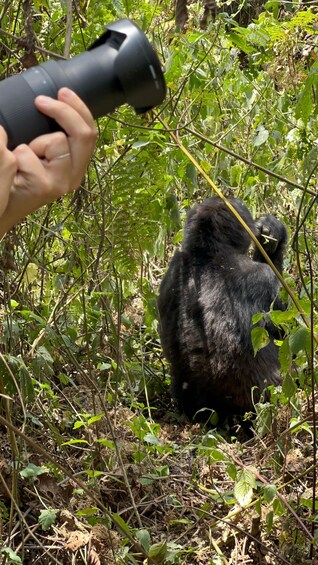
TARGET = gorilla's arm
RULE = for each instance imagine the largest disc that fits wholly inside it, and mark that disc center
(272, 234)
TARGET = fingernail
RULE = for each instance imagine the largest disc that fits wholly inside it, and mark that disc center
(66, 93)
(44, 100)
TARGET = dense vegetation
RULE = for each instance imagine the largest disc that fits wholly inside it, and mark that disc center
(96, 466)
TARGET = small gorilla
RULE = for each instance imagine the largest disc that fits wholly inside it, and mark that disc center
(206, 302)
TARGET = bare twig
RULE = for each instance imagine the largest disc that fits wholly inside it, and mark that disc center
(69, 24)
(250, 163)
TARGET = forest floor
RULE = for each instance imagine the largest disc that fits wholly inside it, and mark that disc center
(173, 485)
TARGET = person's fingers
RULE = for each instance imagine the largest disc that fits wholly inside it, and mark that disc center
(66, 111)
(47, 178)
(68, 96)
(50, 145)
(51, 165)
(78, 124)
(8, 165)
(3, 136)
(29, 168)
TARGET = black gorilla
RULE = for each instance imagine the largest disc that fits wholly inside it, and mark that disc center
(206, 302)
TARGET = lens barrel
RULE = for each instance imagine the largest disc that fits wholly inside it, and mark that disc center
(120, 67)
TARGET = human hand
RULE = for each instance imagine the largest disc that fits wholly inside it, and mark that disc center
(53, 164)
(8, 169)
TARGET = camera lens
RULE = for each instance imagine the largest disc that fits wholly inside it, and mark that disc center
(120, 67)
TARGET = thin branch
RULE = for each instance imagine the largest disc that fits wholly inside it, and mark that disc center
(250, 163)
(37, 47)
(69, 25)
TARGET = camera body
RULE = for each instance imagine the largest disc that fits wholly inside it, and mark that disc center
(120, 67)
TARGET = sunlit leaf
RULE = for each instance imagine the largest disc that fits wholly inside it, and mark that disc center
(47, 518)
(261, 136)
(32, 471)
(260, 338)
(245, 484)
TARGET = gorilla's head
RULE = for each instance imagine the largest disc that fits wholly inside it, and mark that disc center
(211, 227)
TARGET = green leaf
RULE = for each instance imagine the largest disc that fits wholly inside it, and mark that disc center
(278, 507)
(88, 511)
(121, 524)
(151, 439)
(279, 317)
(231, 470)
(285, 357)
(264, 418)
(300, 341)
(269, 492)
(269, 521)
(257, 317)
(32, 471)
(31, 274)
(244, 485)
(106, 443)
(158, 552)
(302, 426)
(144, 539)
(75, 441)
(12, 556)
(43, 362)
(78, 424)
(95, 418)
(289, 387)
(260, 338)
(92, 473)
(149, 480)
(261, 136)
(180, 521)
(47, 518)
(3, 510)
(305, 100)
(163, 471)
(307, 502)
(17, 366)
(217, 454)
(139, 144)
(104, 366)
(239, 42)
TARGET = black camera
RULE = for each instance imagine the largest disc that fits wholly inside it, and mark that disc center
(120, 67)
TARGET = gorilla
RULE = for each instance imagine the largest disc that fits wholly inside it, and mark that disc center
(206, 302)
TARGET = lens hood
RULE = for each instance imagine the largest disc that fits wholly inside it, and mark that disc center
(142, 81)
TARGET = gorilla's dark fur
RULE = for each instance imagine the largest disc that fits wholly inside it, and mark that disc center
(206, 302)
